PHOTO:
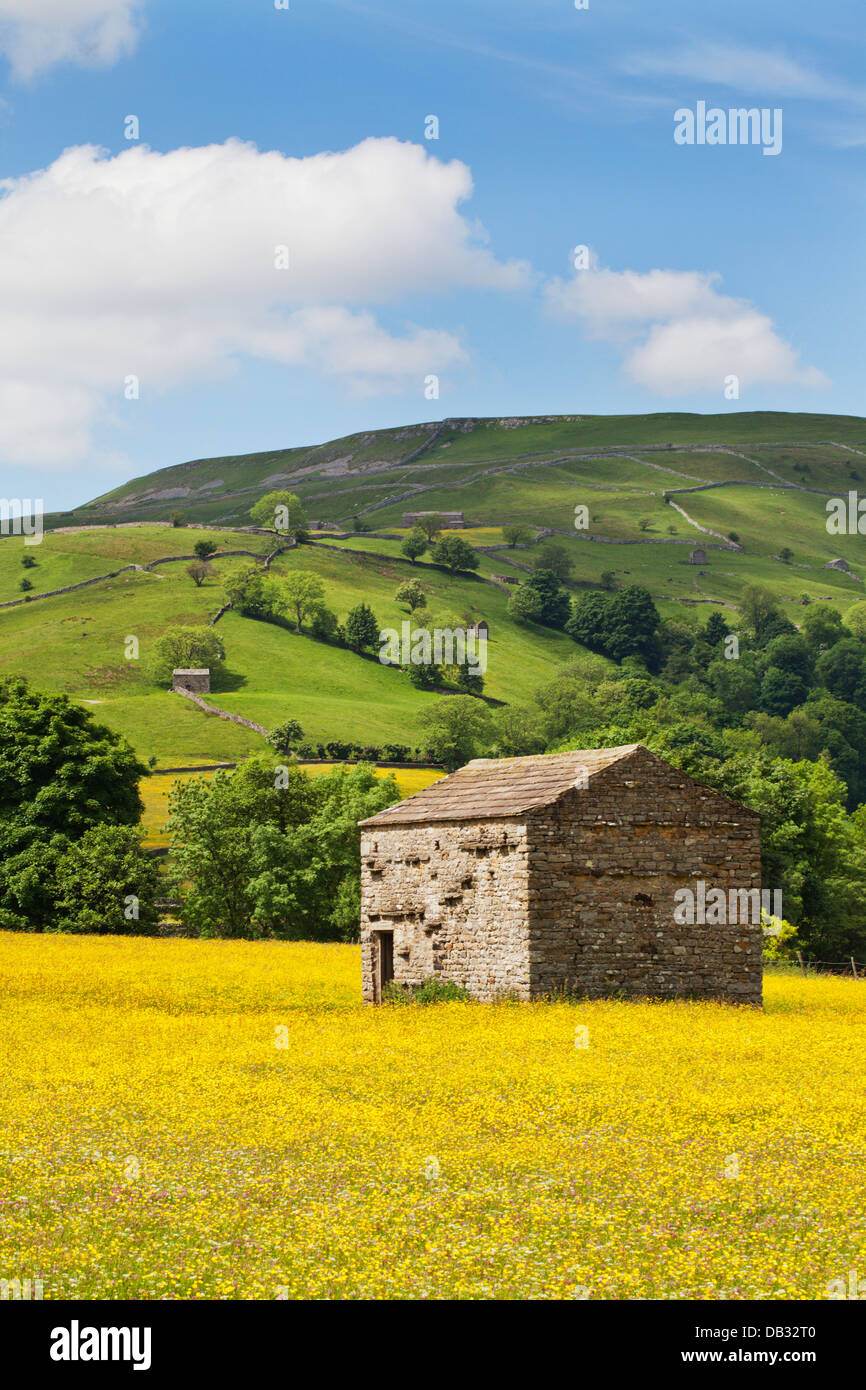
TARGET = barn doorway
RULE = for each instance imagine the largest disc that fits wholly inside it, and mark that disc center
(384, 966)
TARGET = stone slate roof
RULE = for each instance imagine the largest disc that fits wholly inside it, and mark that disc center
(488, 788)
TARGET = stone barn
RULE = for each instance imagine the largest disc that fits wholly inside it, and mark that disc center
(586, 872)
(697, 557)
(451, 521)
(196, 679)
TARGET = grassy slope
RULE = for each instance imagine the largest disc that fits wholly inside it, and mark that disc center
(231, 483)
(76, 642)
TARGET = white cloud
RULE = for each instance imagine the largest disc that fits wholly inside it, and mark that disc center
(38, 34)
(162, 266)
(677, 332)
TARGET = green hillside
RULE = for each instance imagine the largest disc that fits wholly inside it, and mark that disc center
(76, 642)
(371, 470)
(763, 478)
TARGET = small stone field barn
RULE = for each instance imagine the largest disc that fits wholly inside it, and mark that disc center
(531, 876)
(196, 679)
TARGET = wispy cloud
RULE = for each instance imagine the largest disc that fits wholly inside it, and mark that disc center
(753, 70)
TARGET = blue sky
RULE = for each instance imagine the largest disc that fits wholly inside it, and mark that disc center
(155, 259)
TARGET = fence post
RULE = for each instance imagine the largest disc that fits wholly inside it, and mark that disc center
(800, 959)
(854, 967)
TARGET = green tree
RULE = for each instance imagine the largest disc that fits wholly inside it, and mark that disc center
(424, 675)
(429, 525)
(761, 614)
(198, 572)
(265, 854)
(106, 882)
(25, 585)
(59, 769)
(555, 602)
(304, 594)
(468, 680)
(286, 736)
(625, 697)
(590, 620)
(781, 691)
(822, 627)
(736, 683)
(524, 605)
(854, 619)
(412, 595)
(517, 732)
(822, 725)
(566, 706)
(790, 652)
(553, 556)
(454, 553)
(515, 534)
(414, 544)
(362, 628)
(61, 774)
(810, 848)
(184, 648)
(281, 512)
(842, 670)
(324, 624)
(205, 549)
(715, 630)
(254, 593)
(633, 626)
(798, 736)
(28, 561)
(456, 728)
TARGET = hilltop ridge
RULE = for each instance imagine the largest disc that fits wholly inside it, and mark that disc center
(348, 476)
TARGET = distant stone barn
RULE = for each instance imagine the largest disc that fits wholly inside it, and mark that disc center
(192, 678)
(566, 872)
(697, 557)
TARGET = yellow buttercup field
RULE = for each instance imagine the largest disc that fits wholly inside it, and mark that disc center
(185, 1119)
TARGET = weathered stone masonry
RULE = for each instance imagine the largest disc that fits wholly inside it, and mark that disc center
(573, 891)
(456, 897)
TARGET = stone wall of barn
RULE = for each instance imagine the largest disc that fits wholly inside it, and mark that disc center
(605, 864)
(196, 682)
(456, 897)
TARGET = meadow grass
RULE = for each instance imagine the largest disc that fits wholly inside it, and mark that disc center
(188, 1119)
